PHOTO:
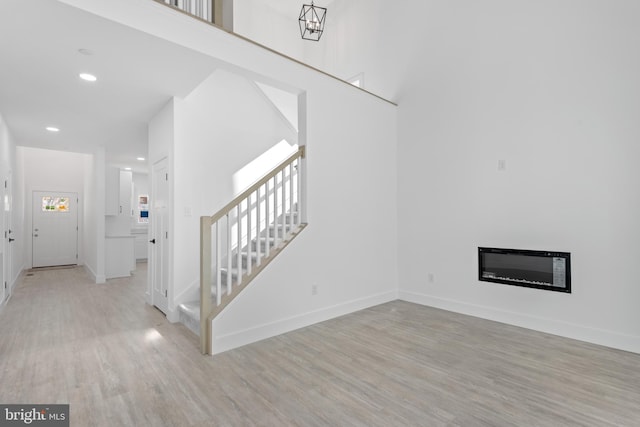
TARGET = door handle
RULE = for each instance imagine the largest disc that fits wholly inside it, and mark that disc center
(152, 241)
(11, 240)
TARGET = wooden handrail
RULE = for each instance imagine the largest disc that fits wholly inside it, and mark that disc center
(225, 210)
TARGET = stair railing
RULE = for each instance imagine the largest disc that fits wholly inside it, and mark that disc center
(241, 239)
(207, 10)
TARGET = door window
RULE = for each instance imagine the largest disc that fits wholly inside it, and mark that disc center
(55, 204)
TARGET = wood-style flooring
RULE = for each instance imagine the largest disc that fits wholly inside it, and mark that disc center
(118, 362)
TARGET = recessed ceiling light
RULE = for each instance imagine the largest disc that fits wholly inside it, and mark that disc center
(52, 129)
(88, 77)
(142, 159)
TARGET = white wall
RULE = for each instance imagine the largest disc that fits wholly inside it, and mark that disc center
(94, 219)
(49, 170)
(551, 88)
(272, 24)
(373, 37)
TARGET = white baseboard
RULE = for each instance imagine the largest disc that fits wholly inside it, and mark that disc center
(11, 287)
(173, 316)
(5, 301)
(237, 339)
(96, 278)
(568, 330)
(19, 276)
(190, 293)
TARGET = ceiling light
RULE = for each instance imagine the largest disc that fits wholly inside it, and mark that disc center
(52, 129)
(311, 21)
(127, 169)
(142, 159)
(88, 77)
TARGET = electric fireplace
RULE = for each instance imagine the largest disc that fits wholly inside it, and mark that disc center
(534, 269)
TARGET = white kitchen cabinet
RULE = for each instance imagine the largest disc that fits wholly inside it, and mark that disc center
(112, 192)
(126, 193)
(119, 193)
(141, 244)
(119, 256)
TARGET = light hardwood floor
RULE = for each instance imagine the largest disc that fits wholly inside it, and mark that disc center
(118, 362)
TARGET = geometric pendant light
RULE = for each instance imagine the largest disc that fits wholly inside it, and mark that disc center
(311, 21)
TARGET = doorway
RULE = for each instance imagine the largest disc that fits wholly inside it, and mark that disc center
(6, 262)
(159, 223)
(55, 229)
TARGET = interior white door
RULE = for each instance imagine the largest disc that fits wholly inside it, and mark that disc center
(55, 228)
(9, 238)
(159, 222)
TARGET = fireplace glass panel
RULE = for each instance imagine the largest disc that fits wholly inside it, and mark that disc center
(536, 269)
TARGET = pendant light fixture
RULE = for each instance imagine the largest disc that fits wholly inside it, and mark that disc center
(311, 21)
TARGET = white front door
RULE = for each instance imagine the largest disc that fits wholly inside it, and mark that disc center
(55, 228)
(159, 221)
(9, 237)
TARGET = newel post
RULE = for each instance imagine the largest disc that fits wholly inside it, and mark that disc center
(205, 284)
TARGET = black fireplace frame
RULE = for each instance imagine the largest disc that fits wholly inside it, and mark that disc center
(486, 276)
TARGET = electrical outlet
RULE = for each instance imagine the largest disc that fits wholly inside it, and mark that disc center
(430, 278)
(314, 289)
(502, 165)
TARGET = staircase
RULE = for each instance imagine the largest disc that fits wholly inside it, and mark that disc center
(241, 239)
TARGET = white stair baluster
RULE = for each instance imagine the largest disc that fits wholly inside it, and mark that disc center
(275, 210)
(267, 219)
(290, 198)
(229, 253)
(239, 242)
(258, 226)
(300, 196)
(249, 263)
(218, 264)
(283, 215)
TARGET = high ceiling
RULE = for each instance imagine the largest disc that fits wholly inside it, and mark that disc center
(43, 48)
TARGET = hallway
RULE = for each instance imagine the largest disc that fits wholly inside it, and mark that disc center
(118, 362)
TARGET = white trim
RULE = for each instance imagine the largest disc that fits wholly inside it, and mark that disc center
(173, 316)
(564, 329)
(97, 279)
(190, 293)
(237, 339)
(12, 286)
(17, 279)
